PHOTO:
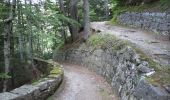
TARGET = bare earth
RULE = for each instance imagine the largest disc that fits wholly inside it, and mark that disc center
(149, 42)
(82, 84)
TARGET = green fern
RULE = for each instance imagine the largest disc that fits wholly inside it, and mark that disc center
(4, 76)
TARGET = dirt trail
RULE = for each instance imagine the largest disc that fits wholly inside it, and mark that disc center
(148, 42)
(81, 84)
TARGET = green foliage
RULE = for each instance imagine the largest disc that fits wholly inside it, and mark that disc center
(4, 76)
(165, 4)
(117, 2)
(55, 71)
(120, 8)
(60, 46)
(45, 27)
(96, 40)
(97, 10)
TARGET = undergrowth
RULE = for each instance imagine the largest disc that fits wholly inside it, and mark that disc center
(106, 41)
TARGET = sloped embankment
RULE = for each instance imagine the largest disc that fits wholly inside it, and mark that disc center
(130, 72)
(41, 89)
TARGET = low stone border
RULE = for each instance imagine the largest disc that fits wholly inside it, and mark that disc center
(39, 90)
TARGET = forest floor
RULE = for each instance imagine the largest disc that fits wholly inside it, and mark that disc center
(152, 44)
(82, 84)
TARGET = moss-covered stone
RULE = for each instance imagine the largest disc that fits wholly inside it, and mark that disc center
(56, 70)
(106, 41)
(52, 68)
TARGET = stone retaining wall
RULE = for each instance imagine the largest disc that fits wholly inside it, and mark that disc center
(123, 69)
(156, 22)
(39, 90)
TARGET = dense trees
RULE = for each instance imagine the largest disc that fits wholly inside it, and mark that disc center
(35, 28)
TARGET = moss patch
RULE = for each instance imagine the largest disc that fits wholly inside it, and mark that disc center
(35, 82)
(106, 41)
(105, 94)
(159, 79)
(145, 57)
(54, 69)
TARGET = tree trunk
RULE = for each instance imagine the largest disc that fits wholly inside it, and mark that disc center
(7, 40)
(61, 3)
(74, 15)
(20, 32)
(106, 2)
(30, 36)
(86, 19)
(7, 37)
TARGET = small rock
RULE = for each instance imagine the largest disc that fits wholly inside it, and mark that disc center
(42, 86)
(167, 88)
(144, 67)
(150, 73)
(146, 91)
(8, 96)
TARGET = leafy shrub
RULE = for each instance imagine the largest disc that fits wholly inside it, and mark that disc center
(4, 76)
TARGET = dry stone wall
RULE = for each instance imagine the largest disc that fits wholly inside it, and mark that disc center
(123, 69)
(156, 22)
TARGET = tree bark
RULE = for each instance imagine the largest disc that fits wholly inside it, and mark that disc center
(30, 36)
(61, 3)
(7, 40)
(86, 19)
(74, 15)
(106, 2)
(20, 31)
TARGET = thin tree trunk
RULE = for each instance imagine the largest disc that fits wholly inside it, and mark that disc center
(7, 37)
(30, 36)
(106, 2)
(74, 15)
(20, 32)
(38, 45)
(23, 38)
(7, 40)
(61, 3)
(86, 19)
(13, 8)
